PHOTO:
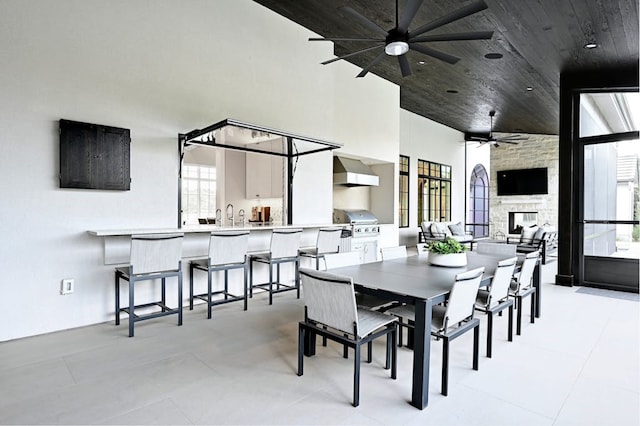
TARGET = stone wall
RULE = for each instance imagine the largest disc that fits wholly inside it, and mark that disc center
(536, 151)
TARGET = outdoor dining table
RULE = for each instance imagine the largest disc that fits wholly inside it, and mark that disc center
(412, 280)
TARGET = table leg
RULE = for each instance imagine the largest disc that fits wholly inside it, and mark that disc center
(538, 285)
(421, 354)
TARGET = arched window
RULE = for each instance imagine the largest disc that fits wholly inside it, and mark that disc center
(479, 202)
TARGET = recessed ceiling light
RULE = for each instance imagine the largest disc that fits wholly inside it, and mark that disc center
(421, 62)
(590, 45)
(529, 89)
(452, 91)
(493, 56)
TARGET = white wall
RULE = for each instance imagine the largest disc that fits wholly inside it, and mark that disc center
(157, 67)
(427, 140)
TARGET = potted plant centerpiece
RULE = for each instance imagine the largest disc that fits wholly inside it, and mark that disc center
(448, 252)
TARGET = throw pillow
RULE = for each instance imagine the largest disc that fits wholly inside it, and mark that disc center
(527, 234)
(457, 229)
(440, 230)
(426, 229)
(539, 234)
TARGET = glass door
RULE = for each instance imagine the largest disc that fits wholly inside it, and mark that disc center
(610, 205)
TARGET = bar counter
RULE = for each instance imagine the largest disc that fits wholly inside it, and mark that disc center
(196, 238)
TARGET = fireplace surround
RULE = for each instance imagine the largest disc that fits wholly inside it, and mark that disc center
(519, 220)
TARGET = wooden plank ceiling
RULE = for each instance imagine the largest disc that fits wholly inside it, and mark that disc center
(538, 39)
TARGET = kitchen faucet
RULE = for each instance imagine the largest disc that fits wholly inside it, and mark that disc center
(230, 215)
(218, 217)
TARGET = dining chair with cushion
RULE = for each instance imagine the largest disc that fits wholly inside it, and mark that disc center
(339, 260)
(456, 318)
(152, 257)
(389, 253)
(522, 286)
(283, 249)
(502, 249)
(450, 321)
(331, 312)
(328, 241)
(227, 251)
(496, 299)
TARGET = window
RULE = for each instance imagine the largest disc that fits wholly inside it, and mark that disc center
(403, 206)
(198, 192)
(434, 192)
(479, 202)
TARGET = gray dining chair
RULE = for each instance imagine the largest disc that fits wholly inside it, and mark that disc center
(331, 311)
(284, 247)
(496, 299)
(227, 251)
(522, 286)
(450, 321)
(152, 257)
(389, 253)
(503, 249)
(339, 260)
(328, 241)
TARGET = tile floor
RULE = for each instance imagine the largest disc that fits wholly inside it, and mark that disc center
(578, 364)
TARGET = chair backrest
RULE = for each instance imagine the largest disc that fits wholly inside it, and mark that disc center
(462, 299)
(497, 248)
(501, 281)
(285, 242)
(227, 247)
(526, 272)
(156, 253)
(328, 240)
(329, 299)
(426, 228)
(338, 260)
(389, 253)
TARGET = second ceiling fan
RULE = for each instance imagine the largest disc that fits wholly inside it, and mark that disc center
(490, 139)
(399, 40)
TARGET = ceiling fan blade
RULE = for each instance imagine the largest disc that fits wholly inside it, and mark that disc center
(366, 69)
(451, 17)
(346, 39)
(503, 141)
(404, 65)
(365, 22)
(475, 35)
(407, 16)
(434, 53)
(352, 54)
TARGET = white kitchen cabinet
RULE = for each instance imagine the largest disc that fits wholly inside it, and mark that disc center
(264, 176)
(366, 248)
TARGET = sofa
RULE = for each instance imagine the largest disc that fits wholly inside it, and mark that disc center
(437, 231)
(541, 238)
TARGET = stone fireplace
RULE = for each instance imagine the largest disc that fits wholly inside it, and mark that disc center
(519, 220)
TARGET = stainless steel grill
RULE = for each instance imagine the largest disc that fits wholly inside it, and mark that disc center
(365, 233)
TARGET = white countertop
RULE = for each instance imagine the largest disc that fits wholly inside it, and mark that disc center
(201, 229)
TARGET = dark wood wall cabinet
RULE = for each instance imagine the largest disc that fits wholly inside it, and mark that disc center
(93, 156)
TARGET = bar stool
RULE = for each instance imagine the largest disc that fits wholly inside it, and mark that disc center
(328, 242)
(284, 248)
(152, 256)
(227, 250)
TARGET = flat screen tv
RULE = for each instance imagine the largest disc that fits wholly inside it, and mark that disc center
(522, 181)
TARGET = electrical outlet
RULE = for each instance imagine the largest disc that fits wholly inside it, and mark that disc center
(67, 286)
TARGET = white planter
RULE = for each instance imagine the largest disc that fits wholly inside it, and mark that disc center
(453, 260)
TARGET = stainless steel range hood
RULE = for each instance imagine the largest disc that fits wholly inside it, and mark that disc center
(350, 172)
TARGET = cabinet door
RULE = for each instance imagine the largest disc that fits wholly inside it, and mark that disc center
(93, 156)
(258, 176)
(112, 159)
(77, 144)
(277, 176)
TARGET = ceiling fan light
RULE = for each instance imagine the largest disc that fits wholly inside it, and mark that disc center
(396, 48)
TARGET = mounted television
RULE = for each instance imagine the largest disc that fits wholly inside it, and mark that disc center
(522, 181)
